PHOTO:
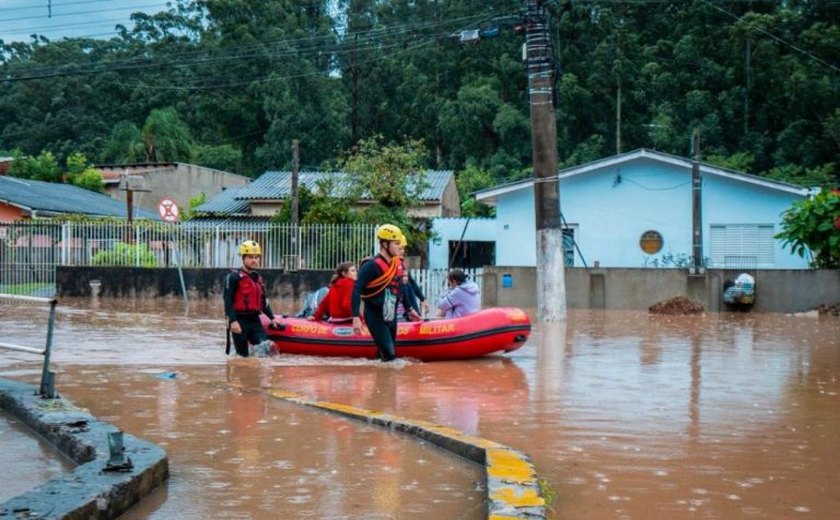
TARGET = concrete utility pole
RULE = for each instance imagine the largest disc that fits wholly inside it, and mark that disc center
(696, 206)
(295, 164)
(551, 278)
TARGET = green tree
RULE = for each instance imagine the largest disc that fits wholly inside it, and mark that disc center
(390, 175)
(821, 176)
(739, 162)
(223, 157)
(125, 144)
(326, 208)
(471, 179)
(82, 174)
(166, 137)
(814, 225)
(194, 202)
(44, 167)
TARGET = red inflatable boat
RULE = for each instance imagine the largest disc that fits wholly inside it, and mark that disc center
(490, 330)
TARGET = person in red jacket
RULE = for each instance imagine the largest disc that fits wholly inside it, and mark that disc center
(336, 304)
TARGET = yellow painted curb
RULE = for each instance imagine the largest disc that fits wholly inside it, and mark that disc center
(512, 488)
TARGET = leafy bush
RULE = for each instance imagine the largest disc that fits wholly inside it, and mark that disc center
(126, 254)
(814, 224)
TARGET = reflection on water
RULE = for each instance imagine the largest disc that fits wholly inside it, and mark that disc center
(33, 460)
(626, 415)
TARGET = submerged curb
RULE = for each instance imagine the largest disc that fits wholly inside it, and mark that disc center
(89, 491)
(513, 489)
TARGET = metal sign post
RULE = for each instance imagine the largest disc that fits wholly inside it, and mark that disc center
(170, 213)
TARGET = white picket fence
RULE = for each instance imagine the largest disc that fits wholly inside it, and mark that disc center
(434, 285)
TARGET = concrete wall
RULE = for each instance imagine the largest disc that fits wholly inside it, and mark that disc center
(793, 290)
(180, 181)
(137, 282)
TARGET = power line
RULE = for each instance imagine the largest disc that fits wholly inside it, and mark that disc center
(42, 6)
(67, 26)
(271, 49)
(96, 11)
(398, 48)
(776, 38)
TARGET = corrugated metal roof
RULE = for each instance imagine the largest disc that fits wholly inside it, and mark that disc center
(48, 198)
(275, 185)
(224, 203)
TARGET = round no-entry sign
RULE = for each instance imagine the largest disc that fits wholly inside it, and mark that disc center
(168, 210)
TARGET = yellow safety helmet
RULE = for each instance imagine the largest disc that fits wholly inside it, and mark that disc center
(249, 247)
(403, 241)
(388, 232)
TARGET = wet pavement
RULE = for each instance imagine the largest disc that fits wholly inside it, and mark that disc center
(626, 415)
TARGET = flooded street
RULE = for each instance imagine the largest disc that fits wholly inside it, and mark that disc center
(626, 415)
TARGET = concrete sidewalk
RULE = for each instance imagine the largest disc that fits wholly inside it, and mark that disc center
(100, 487)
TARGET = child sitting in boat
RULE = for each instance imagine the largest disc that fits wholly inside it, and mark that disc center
(462, 299)
(336, 304)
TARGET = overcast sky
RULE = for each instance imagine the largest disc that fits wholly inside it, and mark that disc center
(56, 19)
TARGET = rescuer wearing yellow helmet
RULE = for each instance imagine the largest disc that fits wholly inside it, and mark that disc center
(245, 299)
(378, 285)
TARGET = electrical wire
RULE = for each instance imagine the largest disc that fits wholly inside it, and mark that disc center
(60, 4)
(776, 38)
(56, 15)
(370, 40)
(666, 188)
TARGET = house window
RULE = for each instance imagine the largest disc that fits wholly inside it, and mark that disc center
(651, 242)
(742, 246)
(569, 247)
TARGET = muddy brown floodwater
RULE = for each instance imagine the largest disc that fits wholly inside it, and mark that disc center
(626, 415)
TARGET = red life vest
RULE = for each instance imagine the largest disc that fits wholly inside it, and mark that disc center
(250, 294)
(388, 279)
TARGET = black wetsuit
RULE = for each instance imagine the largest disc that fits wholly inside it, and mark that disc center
(411, 293)
(253, 331)
(384, 333)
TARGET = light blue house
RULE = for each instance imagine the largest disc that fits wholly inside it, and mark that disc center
(635, 210)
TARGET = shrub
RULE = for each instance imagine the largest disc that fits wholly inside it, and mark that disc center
(126, 254)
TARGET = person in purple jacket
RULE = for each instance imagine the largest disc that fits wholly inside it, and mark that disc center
(462, 298)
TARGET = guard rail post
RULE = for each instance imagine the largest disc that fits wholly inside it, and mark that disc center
(47, 386)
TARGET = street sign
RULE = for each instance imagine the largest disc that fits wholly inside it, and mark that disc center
(168, 210)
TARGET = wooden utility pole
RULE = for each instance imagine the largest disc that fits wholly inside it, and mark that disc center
(696, 206)
(551, 279)
(129, 206)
